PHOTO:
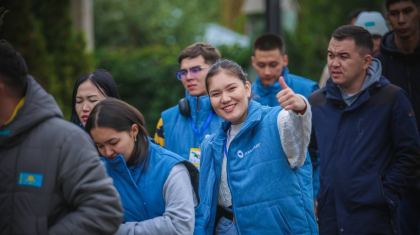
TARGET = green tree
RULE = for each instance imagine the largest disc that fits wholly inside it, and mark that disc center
(65, 45)
(307, 46)
(140, 23)
(139, 44)
(145, 77)
(54, 52)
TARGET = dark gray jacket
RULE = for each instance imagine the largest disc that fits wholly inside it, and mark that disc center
(51, 177)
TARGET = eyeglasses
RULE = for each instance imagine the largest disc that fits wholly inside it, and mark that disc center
(194, 72)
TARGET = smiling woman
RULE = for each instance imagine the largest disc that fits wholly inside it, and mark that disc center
(258, 149)
(88, 91)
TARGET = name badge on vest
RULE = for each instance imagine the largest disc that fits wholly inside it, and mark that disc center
(195, 155)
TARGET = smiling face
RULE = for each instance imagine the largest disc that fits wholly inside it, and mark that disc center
(195, 85)
(110, 142)
(88, 95)
(404, 18)
(347, 67)
(269, 65)
(229, 97)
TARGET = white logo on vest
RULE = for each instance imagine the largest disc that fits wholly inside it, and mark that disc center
(241, 154)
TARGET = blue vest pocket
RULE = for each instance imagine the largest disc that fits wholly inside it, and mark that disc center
(285, 227)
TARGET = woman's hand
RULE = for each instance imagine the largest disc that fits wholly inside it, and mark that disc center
(289, 100)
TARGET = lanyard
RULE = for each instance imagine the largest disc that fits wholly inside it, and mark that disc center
(206, 124)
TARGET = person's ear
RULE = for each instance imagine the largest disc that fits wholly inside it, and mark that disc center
(134, 131)
(286, 60)
(253, 62)
(248, 89)
(368, 60)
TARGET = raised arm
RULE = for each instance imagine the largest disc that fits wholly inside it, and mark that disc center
(294, 124)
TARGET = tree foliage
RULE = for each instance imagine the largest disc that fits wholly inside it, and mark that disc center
(140, 23)
(307, 46)
(42, 32)
(141, 49)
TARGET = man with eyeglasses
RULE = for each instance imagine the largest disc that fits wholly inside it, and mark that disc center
(183, 127)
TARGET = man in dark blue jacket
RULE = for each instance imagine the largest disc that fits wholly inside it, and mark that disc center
(400, 58)
(367, 138)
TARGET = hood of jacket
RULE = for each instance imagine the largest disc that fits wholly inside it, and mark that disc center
(373, 74)
(388, 47)
(38, 107)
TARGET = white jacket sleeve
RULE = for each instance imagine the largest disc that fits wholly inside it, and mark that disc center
(179, 215)
(295, 132)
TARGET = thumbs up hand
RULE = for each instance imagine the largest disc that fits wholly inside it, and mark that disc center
(289, 100)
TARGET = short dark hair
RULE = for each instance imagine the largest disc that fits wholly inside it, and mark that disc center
(209, 53)
(362, 37)
(13, 69)
(120, 116)
(268, 42)
(390, 2)
(105, 83)
(354, 14)
(228, 67)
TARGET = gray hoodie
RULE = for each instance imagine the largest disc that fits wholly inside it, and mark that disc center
(51, 178)
(373, 74)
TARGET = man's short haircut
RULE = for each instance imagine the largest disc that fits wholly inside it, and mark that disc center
(209, 53)
(268, 42)
(390, 2)
(13, 69)
(354, 14)
(362, 37)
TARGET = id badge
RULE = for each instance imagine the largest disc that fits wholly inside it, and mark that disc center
(195, 155)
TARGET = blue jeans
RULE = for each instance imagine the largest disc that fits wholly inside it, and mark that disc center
(226, 227)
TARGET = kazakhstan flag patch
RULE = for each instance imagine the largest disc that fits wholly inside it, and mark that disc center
(30, 179)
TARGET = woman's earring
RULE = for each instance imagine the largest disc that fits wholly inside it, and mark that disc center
(135, 138)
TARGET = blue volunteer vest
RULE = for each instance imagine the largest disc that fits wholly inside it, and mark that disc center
(141, 193)
(267, 95)
(268, 197)
(179, 134)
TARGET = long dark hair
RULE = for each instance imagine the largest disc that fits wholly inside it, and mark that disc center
(120, 116)
(105, 83)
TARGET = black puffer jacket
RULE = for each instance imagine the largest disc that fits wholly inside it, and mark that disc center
(51, 177)
(402, 70)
